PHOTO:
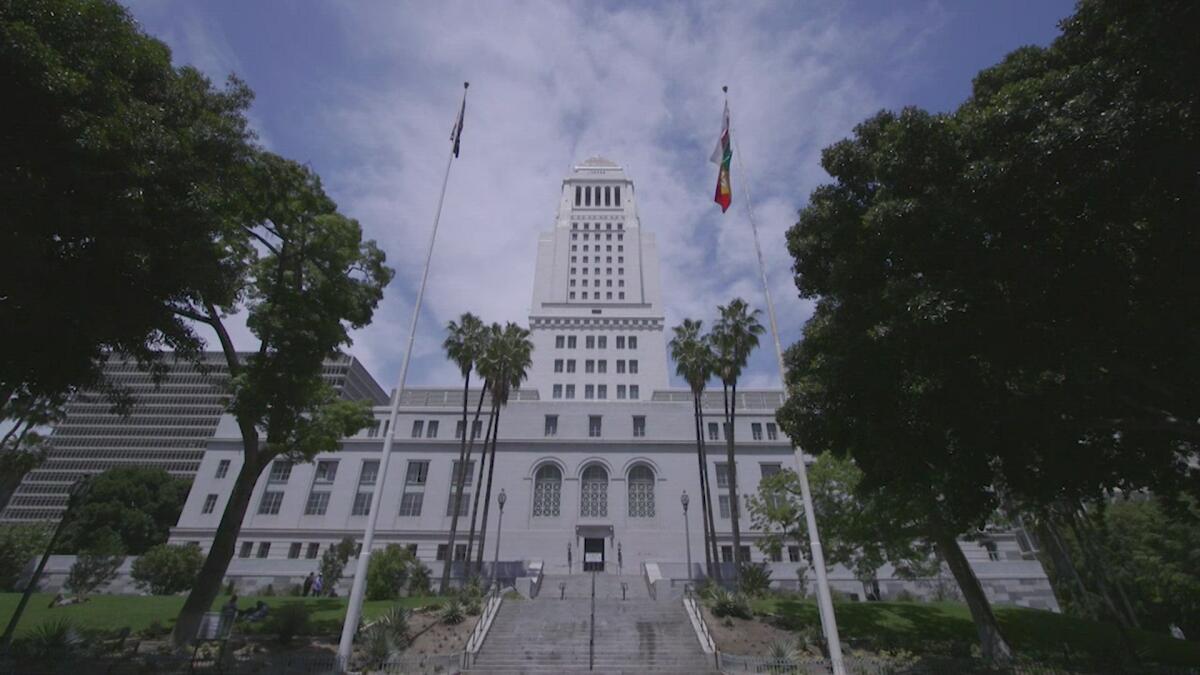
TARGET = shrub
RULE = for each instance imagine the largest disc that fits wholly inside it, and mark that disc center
(783, 651)
(452, 613)
(95, 567)
(289, 620)
(19, 544)
(418, 579)
(726, 604)
(905, 595)
(755, 580)
(155, 630)
(472, 606)
(52, 642)
(167, 569)
(269, 591)
(333, 562)
(388, 572)
(385, 637)
(230, 588)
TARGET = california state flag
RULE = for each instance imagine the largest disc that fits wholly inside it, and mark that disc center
(721, 156)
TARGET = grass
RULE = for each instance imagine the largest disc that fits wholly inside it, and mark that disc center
(946, 628)
(111, 613)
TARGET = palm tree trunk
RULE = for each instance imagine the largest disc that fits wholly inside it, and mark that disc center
(483, 454)
(458, 487)
(712, 522)
(487, 498)
(212, 573)
(734, 504)
(708, 561)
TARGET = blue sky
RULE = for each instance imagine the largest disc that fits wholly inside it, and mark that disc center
(366, 92)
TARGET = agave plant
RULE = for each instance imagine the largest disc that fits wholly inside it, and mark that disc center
(452, 613)
(55, 641)
(784, 656)
(386, 636)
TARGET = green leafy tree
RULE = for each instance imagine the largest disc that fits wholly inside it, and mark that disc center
(116, 176)
(167, 569)
(733, 337)
(464, 345)
(304, 276)
(138, 505)
(505, 363)
(862, 534)
(96, 566)
(695, 363)
(388, 572)
(20, 543)
(333, 563)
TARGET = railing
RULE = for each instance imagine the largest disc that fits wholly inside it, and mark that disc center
(691, 603)
(479, 633)
(420, 663)
(592, 636)
(649, 586)
(536, 588)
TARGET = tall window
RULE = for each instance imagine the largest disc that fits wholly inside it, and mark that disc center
(594, 494)
(210, 503)
(410, 503)
(570, 342)
(620, 391)
(558, 365)
(370, 470)
(326, 472)
(271, 500)
(559, 341)
(557, 391)
(418, 428)
(617, 196)
(602, 391)
(772, 431)
(318, 502)
(713, 431)
(594, 426)
(570, 365)
(570, 391)
(589, 342)
(602, 366)
(431, 431)
(294, 550)
(476, 429)
(633, 392)
(620, 342)
(222, 468)
(632, 338)
(547, 492)
(641, 491)
(418, 471)
(633, 366)
(552, 423)
(281, 470)
(589, 366)
(589, 391)
(639, 426)
(722, 475)
(602, 341)
(756, 430)
(620, 366)
(362, 504)
(264, 549)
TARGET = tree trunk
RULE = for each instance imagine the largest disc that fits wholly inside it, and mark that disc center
(1061, 563)
(458, 484)
(483, 455)
(212, 573)
(712, 523)
(708, 561)
(731, 471)
(487, 498)
(991, 641)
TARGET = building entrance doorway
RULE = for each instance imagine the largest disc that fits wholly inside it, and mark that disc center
(593, 554)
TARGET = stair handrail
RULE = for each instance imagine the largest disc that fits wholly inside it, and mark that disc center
(592, 636)
(475, 641)
(691, 604)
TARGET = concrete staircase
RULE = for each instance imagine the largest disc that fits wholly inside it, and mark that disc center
(549, 635)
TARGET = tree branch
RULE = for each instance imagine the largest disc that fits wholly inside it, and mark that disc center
(231, 355)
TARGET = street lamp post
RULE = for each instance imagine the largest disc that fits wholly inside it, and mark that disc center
(500, 499)
(74, 494)
(687, 536)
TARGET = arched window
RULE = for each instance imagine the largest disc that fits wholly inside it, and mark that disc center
(641, 492)
(594, 499)
(547, 492)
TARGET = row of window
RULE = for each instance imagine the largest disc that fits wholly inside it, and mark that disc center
(596, 270)
(595, 425)
(595, 391)
(596, 295)
(607, 249)
(607, 283)
(596, 226)
(601, 195)
(595, 341)
(756, 431)
(310, 551)
(597, 366)
(587, 236)
(608, 259)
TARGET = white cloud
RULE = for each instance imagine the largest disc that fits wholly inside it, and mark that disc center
(552, 83)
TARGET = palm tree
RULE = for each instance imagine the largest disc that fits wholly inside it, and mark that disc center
(464, 344)
(493, 334)
(733, 337)
(507, 366)
(694, 362)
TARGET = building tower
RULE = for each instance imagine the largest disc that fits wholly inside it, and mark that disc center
(597, 320)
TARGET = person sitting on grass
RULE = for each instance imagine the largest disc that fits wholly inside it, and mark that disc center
(258, 613)
(62, 601)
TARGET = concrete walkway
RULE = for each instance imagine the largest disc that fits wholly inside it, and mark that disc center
(549, 635)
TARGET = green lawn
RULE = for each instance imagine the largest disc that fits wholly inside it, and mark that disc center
(943, 627)
(114, 612)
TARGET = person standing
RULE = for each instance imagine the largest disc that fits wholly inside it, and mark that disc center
(308, 583)
(318, 585)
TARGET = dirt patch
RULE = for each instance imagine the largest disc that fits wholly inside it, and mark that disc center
(431, 636)
(744, 636)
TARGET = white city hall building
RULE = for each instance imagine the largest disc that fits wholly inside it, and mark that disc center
(595, 449)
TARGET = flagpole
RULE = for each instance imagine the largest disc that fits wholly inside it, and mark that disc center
(824, 598)
(359, 585)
